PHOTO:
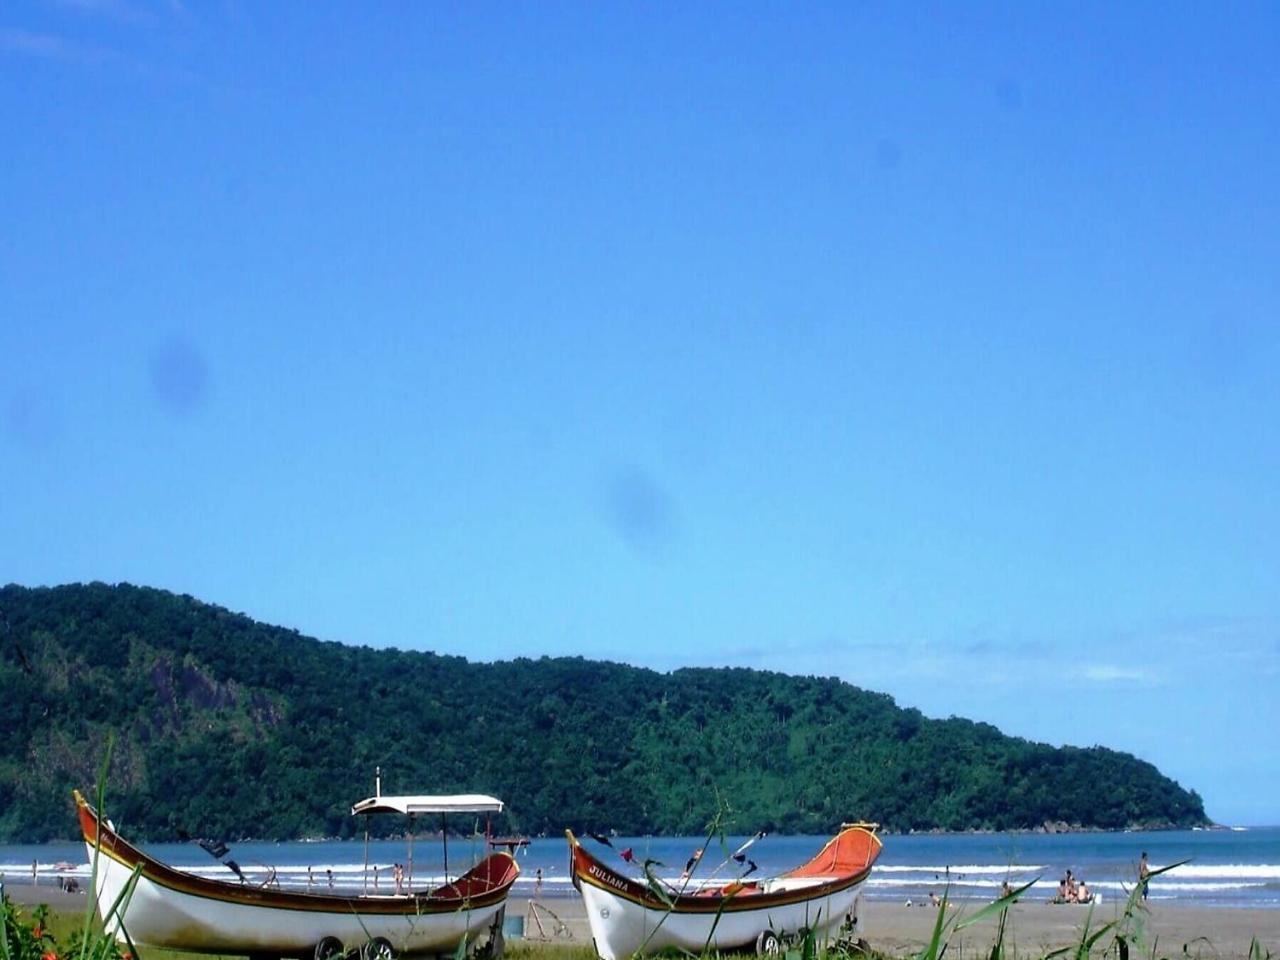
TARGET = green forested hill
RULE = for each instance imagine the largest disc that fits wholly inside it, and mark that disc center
(229, 727)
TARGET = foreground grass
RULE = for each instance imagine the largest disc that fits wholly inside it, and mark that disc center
(1126, 937)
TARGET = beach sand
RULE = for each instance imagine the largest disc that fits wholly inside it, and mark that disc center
(1035, 928)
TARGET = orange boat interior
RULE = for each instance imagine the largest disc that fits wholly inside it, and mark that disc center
(848, 853)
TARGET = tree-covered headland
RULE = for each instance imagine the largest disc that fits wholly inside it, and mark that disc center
(227, 727)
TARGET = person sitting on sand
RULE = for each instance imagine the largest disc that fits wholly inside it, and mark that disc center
(1005, 890)
(1062, 891)
(1083, 893)
(933, 899)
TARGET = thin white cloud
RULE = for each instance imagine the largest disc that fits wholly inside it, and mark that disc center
(112, 8)
(48, 46)
(32, 44)
(1110, 673)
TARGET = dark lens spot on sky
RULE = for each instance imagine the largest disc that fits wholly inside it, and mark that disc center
(29, 418)
(888, 155)
(639, 510)
(179, 376)
(1009, 93)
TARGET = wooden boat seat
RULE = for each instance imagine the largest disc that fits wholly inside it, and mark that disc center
(490, 873)
(734, 889)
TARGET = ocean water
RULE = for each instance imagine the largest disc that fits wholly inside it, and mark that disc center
(1228, 868)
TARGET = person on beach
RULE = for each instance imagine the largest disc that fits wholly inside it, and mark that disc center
(933, 899)
(537, 882)
(1083, 893)
(329, 874)
(399, 876)
(1144, 871)
(35, 873)
(1005, 890)
(310, 879)
(691, 863)
(375, 878)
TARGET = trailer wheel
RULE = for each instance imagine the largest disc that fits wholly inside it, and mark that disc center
(768, 944)
(329, 948)
(379, 948)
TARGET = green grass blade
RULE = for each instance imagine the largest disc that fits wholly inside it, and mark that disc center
(1099, 934)
(100, 793)
(996, 906)
(5, 909)
(937, 945)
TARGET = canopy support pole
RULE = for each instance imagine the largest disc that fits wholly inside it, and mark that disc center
(410, 880)
(444, 836)
(366, 855)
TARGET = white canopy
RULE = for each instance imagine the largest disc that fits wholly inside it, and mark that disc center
(457, 803)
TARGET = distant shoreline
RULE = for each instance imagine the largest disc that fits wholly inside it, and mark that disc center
(1043, 830)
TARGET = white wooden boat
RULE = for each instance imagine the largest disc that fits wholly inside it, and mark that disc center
(628, 917)
(176, 910)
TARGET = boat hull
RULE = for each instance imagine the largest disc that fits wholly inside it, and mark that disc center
(621, 928)
(629, 917)
(179, 911)
(160, 916)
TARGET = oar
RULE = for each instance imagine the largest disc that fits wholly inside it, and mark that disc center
(738, 856)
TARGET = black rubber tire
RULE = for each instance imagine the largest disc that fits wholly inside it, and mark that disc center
(327, 948)
(768, 944)
(379, 948)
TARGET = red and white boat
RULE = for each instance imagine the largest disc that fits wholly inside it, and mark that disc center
(177, 910)
(628, 917)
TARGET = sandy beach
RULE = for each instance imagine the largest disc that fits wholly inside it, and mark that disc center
(1035, 928)
(899, 930)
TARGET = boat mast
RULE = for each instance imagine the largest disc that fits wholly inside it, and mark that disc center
(409, 882)
(377, 792)
(444, 837)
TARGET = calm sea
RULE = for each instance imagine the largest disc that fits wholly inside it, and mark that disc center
(1239, 868)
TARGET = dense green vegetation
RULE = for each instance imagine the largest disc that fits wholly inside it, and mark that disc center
(229, 727)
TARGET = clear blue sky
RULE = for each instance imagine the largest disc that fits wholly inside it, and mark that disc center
(934, 348)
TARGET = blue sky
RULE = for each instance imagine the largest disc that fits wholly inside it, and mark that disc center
(930, 347)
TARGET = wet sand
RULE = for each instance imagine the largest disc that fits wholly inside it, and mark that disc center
(1035, 928)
